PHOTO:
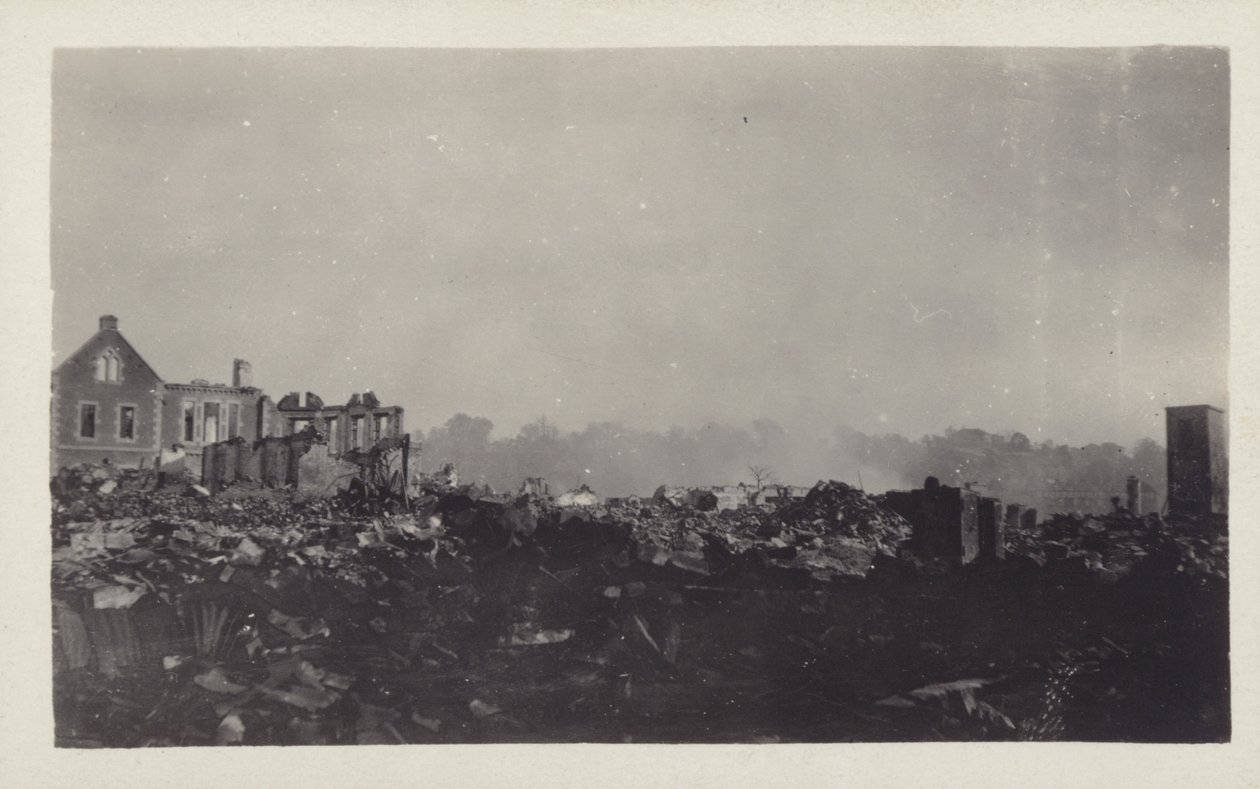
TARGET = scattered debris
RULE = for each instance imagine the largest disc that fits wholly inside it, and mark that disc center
(231, 730)
(116, 596)
(266, 617)
(578, 497)
(216, 681)
(481, 709)
(1117, 543)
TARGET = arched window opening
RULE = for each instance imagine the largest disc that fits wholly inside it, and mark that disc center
(108, 367)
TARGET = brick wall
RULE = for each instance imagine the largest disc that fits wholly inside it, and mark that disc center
(134, 386)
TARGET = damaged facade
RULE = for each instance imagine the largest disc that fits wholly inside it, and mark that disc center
(109, 405)
(358, 424)
(199, 414)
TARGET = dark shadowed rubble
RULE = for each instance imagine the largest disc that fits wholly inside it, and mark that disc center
(261, 617)
(1114, 544)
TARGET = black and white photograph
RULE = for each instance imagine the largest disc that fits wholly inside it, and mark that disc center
(692, 395)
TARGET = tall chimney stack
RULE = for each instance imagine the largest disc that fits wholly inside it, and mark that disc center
(109, 322)
(242, 373)
(1198, 460)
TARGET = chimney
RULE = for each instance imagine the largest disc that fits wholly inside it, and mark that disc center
(1133, 495)
(1198, 460)
(242, 373)
(109, 322)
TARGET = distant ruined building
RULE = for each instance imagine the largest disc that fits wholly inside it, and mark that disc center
(109, 406)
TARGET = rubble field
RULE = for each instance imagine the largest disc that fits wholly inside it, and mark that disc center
(258, 617)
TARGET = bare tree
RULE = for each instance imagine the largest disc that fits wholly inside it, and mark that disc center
(761, 475)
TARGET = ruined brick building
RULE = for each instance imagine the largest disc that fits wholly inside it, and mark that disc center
(358, 424)
(108, 404)
(199, 413)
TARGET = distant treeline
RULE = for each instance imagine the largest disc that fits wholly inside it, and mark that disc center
(618, 461)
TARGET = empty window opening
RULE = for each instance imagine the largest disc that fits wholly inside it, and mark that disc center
(210, 432)
(87, 420)
(107, 367)
(189, 420)
(126, 422)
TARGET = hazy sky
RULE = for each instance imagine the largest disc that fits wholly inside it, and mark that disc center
(901, 239)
